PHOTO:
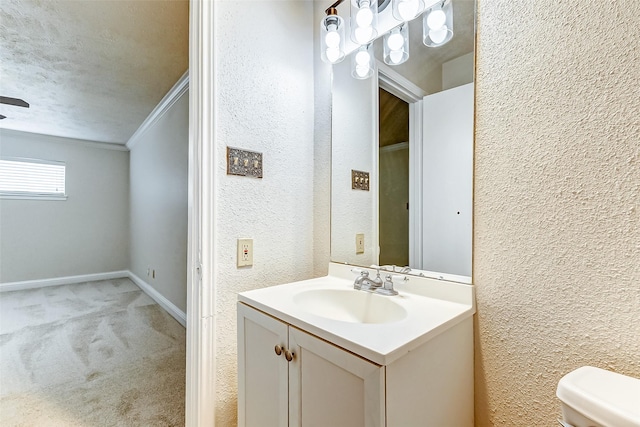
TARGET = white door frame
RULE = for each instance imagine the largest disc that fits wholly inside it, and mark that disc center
(200, 371)
(396, 84)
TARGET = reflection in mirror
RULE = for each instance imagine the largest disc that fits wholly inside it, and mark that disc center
(411, 128)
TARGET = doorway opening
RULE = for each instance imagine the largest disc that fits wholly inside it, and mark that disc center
(393, 173)
(407, 98)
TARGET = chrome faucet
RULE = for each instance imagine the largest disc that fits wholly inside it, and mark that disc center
(366, 283)
(364, 274)
(377, 285)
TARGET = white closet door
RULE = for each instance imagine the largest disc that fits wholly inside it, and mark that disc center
(447, 160)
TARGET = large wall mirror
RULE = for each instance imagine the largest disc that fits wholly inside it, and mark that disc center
(410, 128)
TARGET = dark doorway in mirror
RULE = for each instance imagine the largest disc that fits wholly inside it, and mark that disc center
(393, 164)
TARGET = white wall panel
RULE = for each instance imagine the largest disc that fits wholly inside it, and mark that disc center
(85, 234)
(158, 200)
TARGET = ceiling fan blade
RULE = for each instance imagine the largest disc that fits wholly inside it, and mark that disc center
(14, 101)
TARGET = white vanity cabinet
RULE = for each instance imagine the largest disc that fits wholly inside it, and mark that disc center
(322, 384)
(357, 359)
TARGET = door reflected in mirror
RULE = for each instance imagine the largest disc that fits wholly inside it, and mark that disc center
(411, 127)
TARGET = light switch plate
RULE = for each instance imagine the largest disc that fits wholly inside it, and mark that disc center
(244, 163)
(245, 252)
(359, 180)
(360, 243)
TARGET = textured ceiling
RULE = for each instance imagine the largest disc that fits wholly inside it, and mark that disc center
(89, 69)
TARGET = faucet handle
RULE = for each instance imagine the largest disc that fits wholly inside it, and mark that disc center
(359, 272)
(377, 268)
(398, 277)
(387, 287)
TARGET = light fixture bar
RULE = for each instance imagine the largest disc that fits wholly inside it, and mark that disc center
(396, 45)
(363, 29)
(437, 24)
(332, 37)
(406, 10)
(363, 62)
(364, 21)
(333, 9)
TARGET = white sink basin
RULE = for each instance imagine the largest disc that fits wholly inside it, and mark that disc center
(350, 305)
(379, 328)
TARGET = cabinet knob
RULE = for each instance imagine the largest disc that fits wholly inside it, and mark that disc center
(288, 355)
(278, 350)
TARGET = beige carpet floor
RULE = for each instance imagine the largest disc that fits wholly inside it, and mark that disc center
(92, 354)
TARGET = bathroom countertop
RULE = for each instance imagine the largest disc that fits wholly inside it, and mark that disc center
(432, 306)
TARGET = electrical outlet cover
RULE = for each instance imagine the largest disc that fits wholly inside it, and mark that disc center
(245, 252)
(360, 243)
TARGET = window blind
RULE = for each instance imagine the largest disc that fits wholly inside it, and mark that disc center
(32, 178)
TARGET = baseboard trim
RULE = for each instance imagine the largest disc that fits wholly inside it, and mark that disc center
(67, 280)
(163, 302)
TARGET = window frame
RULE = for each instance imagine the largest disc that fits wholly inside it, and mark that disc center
(29, 195)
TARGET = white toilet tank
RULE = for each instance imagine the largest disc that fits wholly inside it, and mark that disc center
(594, 397)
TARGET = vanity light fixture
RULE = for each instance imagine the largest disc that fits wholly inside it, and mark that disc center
(437, 24)
(437, 28)
(364, 21)
(396, 45)
(406, 10)
(332, 37)
(362, 62)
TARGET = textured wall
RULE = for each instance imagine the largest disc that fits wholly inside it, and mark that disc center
(557, 200)
(265, 102)
(353, 122)
(85, 234)
(159, 162)
(322, 152)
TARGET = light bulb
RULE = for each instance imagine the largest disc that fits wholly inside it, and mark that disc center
(436, 19)
(438, 36)
(333, 54)
(395, 56)
(408, 9)
(395, 41)
(362, 70)
(364, 17)
(332, 38)
(363, 35)
(363, 58)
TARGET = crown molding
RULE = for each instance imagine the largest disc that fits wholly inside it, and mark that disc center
(64, 140)
(178, 89)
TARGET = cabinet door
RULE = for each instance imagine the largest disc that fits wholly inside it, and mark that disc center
(329, 386)
(262, 374)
